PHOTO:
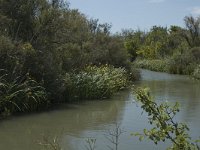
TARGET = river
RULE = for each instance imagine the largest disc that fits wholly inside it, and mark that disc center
(74, 123)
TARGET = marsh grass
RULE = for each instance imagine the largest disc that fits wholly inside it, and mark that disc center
(21, 95)
(154, 65)
(97, 82)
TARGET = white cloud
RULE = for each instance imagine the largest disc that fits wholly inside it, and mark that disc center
(195, 10)
(156, 1)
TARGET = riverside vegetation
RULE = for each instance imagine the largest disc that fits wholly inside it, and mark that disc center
(52, 54)
(65, 54)
(174, 49)
(97, 82)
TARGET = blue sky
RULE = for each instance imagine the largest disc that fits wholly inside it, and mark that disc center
(136, 14)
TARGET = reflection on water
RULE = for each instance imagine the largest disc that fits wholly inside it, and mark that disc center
(175, 88)
(74, 123)
(21, 132)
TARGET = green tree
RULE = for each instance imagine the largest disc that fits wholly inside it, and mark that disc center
(177, 42)
(133, 42)
(156, 42)
(192, 34)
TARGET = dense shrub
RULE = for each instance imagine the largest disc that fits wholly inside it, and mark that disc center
(21, 95)
(96, 82)
(196, 73)
(6, 53)
(54, 41)
(196, 53)
(133, 74)
(182, 64)
(176, 48)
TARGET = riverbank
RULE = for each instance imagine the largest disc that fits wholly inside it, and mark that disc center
(169, 66)
(49, 57)
(93, 82)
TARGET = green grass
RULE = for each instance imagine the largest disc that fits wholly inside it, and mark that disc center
(96, 82)
(21, 95)
(175, 65)
(154, 65)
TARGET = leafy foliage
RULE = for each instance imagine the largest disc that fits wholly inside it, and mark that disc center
(182, 64)
(176, 49)
(47, 40)
(161, 116)
(161, 42)
(155, 43)
(193, 34)
(133, 42)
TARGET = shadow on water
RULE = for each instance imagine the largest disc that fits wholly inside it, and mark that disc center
(22, 131)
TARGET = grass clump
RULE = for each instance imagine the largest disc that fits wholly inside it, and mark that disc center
(21, 95)
(154, 65)
(97, 82)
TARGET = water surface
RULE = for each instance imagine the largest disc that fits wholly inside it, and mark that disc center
(74, 123)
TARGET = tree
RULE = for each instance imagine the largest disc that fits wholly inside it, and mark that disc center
(47, 39)
(133, 42)
(193, 34)
(177, 42)
(22, 14)
(156, 43)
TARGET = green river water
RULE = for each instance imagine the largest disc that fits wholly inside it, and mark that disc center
(74, 123)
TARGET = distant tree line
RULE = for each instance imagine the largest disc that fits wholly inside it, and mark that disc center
(177, 47)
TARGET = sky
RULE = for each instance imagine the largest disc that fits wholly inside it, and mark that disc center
(138, 14)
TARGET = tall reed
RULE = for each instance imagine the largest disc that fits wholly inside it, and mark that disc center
(21, 95)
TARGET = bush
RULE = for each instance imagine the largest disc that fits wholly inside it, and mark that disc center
(96, 82)
(196, 73)
(196, 53)
(177, 64)
(20, 95)
(134, 74)
(182, 64)
(6, 53)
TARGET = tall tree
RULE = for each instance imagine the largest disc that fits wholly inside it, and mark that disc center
(133, 42)
(193, 34)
